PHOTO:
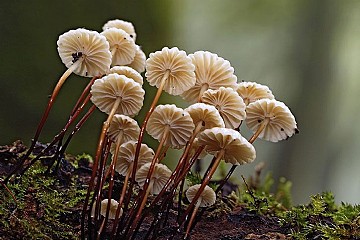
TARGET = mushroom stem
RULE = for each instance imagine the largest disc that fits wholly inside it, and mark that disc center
(197, 205)
(204, 87)
(259, 130)
(44, 117)
(205, 182)
(96, 162)
(142, 130)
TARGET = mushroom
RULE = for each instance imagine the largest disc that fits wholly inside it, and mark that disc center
(171, 70)
(170, 125)
(205, 115)
(122, 46)
(206, 199)
(252, 91)
(229, 104)
(103, 206)
(127, 155)
(270, 120)
(85, 53)
(117, 93)
(139, 60)
(123, 129)
(212, 72)
(128, 72)
(226, 144)
(123, 25)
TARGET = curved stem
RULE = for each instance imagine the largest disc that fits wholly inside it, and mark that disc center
(44, 117)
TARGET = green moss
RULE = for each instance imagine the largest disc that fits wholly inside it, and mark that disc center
(43, 205)
(322, 218)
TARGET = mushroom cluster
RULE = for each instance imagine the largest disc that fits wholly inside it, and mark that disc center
(210, 125)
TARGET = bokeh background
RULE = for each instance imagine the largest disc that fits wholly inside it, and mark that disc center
(307, 52)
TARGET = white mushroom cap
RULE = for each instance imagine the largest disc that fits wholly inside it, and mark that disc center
(175, 61)
(252, 91)
(207, 197)
(123, 25)
(178, 122)
(281, 122)
(207, 114)
(237, 149)
(229, 104)
(139, 60)
(212, 72)
(103, 206)
(127, 155)
(87, 46)
(158, 179)
(106, 90)
(128, 72)
(123, 126)
(122, 46)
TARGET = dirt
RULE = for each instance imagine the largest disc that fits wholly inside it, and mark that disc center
(238, 223)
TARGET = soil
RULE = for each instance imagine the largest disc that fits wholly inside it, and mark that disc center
(238, 223)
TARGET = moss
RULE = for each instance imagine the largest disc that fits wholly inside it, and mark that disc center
(43, 207)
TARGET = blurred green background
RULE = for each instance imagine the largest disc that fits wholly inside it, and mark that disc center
(307, 52)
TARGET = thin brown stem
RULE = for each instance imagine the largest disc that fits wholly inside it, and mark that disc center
(192, 217)
(263, 124)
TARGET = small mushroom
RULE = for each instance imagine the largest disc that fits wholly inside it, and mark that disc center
(123, 129)
(270, 120)
(171, 70)
(212, 72)
(128, 72)
(103, 208)
(206, 199)
(252, 91)
(229, 104)
(117, 93)
(170, 125)
(139, 60)
(205, 115)
(122, 46)
(127, 155)
(158, 178)
(123, 25)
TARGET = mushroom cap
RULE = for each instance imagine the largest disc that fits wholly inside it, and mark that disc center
(107, 89)
(281, 124)
(229, 104)
(87, 46)
(128, 72)
(103, 206)
(178, 122)
(252, 91)
(123, 126)
(212, 72)
(127, 155)
(177, 63)
(122, 46)
(207, 197)
(139, 60)
(207, 114)
(158, 179)
(237, 150)
(123, 25)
